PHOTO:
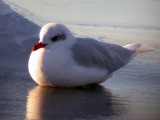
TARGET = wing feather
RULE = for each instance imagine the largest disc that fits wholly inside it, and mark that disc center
(91, 53)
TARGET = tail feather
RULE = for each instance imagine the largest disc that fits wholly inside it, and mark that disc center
(142, 51)
(133, 46)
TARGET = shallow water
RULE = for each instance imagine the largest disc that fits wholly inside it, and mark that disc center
(132, 93)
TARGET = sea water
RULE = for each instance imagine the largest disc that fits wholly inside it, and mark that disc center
(136, 87)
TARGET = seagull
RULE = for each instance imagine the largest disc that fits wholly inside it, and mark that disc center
(59, 59)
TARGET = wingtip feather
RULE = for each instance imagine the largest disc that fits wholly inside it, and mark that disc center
(142, 51)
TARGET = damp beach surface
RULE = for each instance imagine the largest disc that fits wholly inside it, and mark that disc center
(132, 93)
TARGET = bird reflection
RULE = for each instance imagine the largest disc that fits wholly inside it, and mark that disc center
(45, 103)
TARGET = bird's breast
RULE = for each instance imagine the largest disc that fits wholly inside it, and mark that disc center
(59, 68)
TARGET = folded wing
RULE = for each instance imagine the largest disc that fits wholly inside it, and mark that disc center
(91, 53)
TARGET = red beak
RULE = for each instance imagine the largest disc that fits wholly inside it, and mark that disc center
(39, 45)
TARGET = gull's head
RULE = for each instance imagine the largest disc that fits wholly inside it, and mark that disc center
(52, 35)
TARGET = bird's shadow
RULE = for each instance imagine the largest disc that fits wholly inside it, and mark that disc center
(71, 103)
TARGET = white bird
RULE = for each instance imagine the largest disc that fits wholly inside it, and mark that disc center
(60, 59)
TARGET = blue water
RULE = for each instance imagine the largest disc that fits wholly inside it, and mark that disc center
(132, 93)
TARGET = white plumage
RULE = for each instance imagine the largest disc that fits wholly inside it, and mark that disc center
(60, 59)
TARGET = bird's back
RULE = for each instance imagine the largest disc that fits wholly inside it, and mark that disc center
(91, 53)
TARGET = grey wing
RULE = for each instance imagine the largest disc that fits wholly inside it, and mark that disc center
(91, 53)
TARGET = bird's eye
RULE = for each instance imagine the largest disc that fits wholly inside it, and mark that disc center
(55, 38)
(58, 37)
